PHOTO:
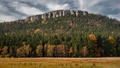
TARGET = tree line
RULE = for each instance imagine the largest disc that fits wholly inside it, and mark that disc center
(62, 46)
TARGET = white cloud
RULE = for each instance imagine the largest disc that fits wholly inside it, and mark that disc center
(3, 15)
(105, 7)
(86, 5)
(17, 9)
(3, 9)
(29, 10)
(117, 16)
(53, 6)
(26, 9)
(6, 18)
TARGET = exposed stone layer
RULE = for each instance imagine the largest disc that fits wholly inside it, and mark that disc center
(54, 14)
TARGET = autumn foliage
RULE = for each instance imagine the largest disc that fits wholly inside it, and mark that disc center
(92, 38)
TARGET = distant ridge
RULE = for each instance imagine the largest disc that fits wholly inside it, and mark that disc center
(54, 14)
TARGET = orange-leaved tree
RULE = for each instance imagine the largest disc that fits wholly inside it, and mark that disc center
(92, 38)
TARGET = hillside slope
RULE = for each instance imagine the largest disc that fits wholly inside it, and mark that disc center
(61, 33)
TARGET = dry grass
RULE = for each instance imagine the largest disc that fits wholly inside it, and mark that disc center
(59, 62)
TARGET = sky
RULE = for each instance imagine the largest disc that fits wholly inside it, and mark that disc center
(19, 9)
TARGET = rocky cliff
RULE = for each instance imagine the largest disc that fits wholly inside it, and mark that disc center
(57, 13)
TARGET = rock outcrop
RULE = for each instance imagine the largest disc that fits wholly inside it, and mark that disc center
(54, 14)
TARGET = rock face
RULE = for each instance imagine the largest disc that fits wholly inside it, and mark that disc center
(57, 13)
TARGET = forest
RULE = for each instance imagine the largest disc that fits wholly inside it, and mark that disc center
(90, 35)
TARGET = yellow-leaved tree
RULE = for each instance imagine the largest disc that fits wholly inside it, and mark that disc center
(113, 45)
(27, 49)
(39, 50)
(92, 38)
(97, 50)
(4, 51)
(70, 51)
(24, 51)
(84, 51)
(111, 40)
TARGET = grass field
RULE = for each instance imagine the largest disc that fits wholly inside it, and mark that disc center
(59, 62)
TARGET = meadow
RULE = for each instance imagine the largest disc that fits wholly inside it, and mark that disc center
(59, 62)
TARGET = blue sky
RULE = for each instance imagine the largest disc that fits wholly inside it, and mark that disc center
(19, 9)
